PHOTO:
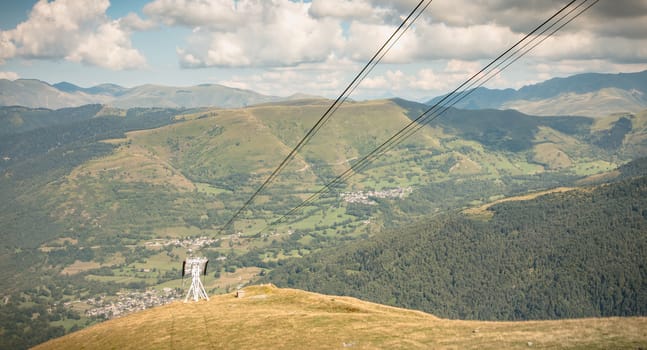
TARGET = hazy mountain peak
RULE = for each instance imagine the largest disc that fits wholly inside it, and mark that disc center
(569, 95)
(67, 87)
(582, 94)
(35, 93)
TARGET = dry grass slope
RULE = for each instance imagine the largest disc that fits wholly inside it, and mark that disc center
(596, 104)
(482, 210)
(271, 318)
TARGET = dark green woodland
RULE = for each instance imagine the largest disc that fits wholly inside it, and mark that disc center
(562, 255)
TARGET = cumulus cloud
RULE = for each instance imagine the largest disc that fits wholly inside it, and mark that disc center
(279, 33)
(248, 32)
(75, 30)
(568, 67)
(470, 30)
(133, 22)
(108, 47)
(586, 45)
(7, 47)
(421, 83)
(255, 33)
(604, 22)
(440, 41)
(427, 79)
(364, 39)
(344, 9)
(456, 38)
(194, 13)
(312, 78)
(430, 41)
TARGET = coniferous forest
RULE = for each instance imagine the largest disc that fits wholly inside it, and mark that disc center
(575, 254)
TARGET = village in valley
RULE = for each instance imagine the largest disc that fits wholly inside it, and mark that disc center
(188, 242)
(362, 197)
(125, 302)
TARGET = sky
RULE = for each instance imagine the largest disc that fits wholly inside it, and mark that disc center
(283, 47)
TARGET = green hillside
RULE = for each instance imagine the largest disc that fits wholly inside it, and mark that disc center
(269, 317)
(96, 201)
(579, 253)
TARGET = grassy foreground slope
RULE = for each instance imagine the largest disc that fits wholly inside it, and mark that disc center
(269, 317)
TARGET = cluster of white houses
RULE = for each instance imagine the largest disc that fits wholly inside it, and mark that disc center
(362, 197)
(183, 242)
(126, 303)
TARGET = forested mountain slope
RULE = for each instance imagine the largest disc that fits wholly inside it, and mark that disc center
(579, 253)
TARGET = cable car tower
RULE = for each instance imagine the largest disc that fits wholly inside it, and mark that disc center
(195, 266)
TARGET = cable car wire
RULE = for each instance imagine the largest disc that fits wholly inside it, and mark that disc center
(469, 89)
(425, 118)
(377, 57)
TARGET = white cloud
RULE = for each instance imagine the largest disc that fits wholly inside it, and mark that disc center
(378, 82)
(283, 33)
(462, 67)
(586, 45)
(75, 30)
(9, 75)
(108, 47)
(7, 47)
(249, 32)
(523, 16)
(430, 41)
(440, 41)
(423, 83)
(568, 67)
(220, 14)
(427, 79)
(345, 9)
(364, 39)
(415, 82)
(133, 22)
(624, 18)
(317, 47)
(391, 80)
(614, 30)
(611, 30)
(447, 45)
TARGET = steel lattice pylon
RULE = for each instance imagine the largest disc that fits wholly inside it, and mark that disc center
(196, 267)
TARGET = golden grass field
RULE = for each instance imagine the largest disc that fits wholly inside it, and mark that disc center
(273, 318)
(482, 210)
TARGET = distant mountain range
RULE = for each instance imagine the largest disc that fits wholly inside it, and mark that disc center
(38, 94)
(590, 94)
